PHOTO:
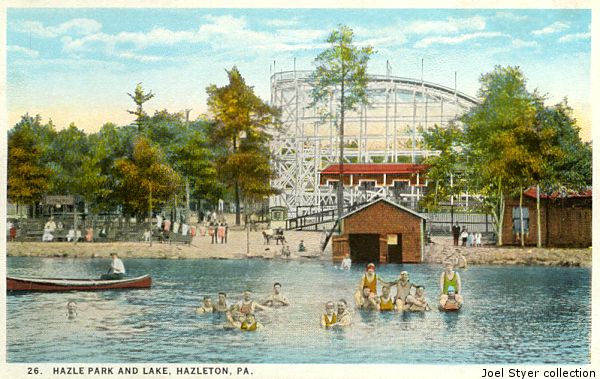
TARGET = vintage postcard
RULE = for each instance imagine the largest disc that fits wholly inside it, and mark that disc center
(337, 190)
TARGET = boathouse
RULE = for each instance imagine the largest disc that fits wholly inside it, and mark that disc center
(566, 220)
(381, 231)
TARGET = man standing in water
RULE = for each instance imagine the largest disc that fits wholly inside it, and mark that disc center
(117, 269)
(206, 307)
(276, 298)
(343, 316)
(247, 305)
(221, 305)
(403, 287)
(450, 278)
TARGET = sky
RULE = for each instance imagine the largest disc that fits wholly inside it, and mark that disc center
(77, 65)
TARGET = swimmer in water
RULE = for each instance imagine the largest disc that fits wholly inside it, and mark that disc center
(385, 302)
(329, 318)
(71, 310)
(368, 300)
(206, 306)
(250, 324)
(276, 298)
(418, 302)
(221, 305)
(343, 316)
(234, 320)
(247, 305)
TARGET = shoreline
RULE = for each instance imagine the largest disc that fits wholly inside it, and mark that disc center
(201, 248)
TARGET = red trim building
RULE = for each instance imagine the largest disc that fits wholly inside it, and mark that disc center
(566, 220)
(383, 174)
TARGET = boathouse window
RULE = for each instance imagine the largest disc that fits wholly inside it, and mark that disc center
(400, 187)
(333, 183)
(516, 218)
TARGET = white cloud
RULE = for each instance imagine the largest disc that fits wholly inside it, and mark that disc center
(77, 26)
(509, 16)
(556, 27)
(23, 50)
(519, 43)
(279, 23)
(575, 37)
(426, 42)
(140, 57)
(451, 25)
(222, 33)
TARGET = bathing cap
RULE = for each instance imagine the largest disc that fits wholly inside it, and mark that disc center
(370, 265)
(451, 288)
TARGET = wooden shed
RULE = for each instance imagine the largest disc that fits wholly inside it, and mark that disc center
(381, 231)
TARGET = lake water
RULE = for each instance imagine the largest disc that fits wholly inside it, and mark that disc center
(511, 315)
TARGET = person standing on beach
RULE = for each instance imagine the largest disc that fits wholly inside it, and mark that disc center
(221, 233)
(455, 233)
(463, 236)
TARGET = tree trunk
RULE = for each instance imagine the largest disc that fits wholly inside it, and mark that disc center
(521, 216)
(500, 217)
(538, 216)
(187, 201)
(237, 204)
(340, 189)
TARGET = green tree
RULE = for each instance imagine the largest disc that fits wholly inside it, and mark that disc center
(144, 180)
(448, 141)
(68, 151)
(28, 176)
(139, 97)
(341, 72)
(239, 129)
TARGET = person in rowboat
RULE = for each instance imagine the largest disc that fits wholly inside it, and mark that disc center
(450, 278)
(116, 270)
(403, 288)
(276, 298)
(221, 305)
(247, 305)
(207, 306)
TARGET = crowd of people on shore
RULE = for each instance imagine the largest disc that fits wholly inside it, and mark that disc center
(465, 238)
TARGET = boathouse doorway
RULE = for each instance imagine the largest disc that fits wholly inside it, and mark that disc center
(364, 247)
(394, 246)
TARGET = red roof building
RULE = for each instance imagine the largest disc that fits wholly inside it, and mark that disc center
(379, 174)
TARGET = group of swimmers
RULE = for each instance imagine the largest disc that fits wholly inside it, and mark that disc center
(406, 299)
(241, 315)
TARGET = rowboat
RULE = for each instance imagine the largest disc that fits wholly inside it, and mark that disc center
(14, 283)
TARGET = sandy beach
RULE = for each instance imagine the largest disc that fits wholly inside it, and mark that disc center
(236, 248)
